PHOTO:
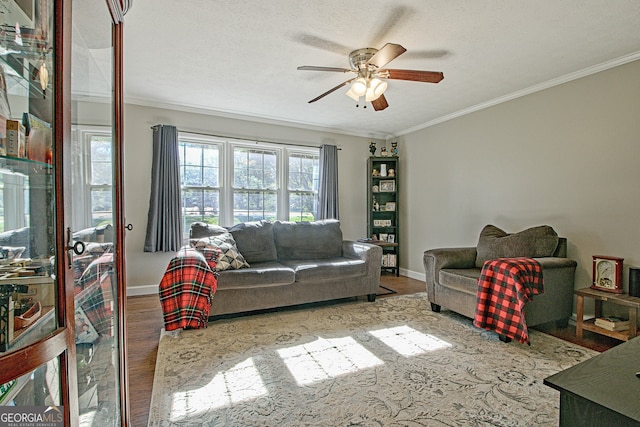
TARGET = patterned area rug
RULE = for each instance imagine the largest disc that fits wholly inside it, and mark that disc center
(388, 363)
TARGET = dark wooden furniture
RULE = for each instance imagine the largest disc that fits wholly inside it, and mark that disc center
(632, 303)
(602, 391)
(383, 209)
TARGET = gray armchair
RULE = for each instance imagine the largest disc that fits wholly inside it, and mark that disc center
(452, 273)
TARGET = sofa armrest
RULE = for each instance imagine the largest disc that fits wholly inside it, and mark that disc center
(370, 254)
(437, 259)
(364, 251)
(548, 263)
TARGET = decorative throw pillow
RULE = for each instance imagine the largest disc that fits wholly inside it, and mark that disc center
(223, 250)
(533, 242)
(11, 252)
(199, 230)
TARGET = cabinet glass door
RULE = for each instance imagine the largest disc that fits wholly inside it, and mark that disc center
(93, 216)
(29, 300)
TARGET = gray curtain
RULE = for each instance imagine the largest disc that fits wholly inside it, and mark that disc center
(164, 223)
(328, 183)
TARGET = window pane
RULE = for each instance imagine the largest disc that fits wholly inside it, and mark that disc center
(254, 169)
(303, 172)
(200, 205)
(101, 170)
(254, 206)
(199, 164)
(101, 202)
(302, 206)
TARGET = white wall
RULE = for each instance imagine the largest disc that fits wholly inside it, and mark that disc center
(568, 156)
(145, 270)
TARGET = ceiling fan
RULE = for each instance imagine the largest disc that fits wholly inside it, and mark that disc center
(370, 80)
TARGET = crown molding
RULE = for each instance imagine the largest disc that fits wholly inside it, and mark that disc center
(257, 119)
(528, 91)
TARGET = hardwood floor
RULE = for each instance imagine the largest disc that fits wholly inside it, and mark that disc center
(144, 322)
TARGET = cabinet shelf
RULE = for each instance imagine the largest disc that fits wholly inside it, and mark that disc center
(22, 165)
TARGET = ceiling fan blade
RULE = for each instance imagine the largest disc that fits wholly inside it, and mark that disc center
(414, 75)
(380, 103)
(331, 90)
(312, 68)
(388, 53)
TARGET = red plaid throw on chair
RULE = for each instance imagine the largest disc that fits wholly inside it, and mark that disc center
(505, 285)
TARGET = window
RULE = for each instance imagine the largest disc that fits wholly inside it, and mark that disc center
(92, 176)
(13, 187)
(255, 178)
(303, 186)
(200, 180)
(101, 181)
(228, 182)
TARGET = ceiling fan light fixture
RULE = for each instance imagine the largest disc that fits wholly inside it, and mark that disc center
(352, 95)
(359, 86)
(378, 86)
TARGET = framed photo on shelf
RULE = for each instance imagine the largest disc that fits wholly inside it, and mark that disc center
(391, 238)
(386, 223)
(390, 206)
(388, 186)
(377, 223)
(383, 237)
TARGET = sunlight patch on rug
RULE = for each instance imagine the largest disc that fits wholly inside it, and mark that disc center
(238, 384)
(409, 342)
(326, 358)
(392, 362)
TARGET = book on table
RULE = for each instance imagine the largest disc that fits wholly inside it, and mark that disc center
(612, 323)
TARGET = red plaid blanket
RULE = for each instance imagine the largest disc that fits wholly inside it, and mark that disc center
(505, 285)
(186, 290)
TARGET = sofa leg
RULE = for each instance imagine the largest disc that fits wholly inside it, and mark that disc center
(435, 308)
(371, 297)
(504, 338)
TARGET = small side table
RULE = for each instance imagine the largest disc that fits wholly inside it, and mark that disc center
(633, 303)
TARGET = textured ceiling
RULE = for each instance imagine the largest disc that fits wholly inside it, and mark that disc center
(239, 57)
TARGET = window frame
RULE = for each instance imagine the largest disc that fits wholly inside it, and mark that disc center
(226, 171)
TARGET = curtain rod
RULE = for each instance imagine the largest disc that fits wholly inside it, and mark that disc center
(246, 139)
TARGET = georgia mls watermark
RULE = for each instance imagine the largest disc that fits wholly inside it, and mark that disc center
(31, 416)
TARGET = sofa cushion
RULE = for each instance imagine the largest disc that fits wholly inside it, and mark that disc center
(255, 241)
(199, 230)
(460, 279)
(328, 269)
(259, 275)
(16, 238)
(220, 252)
(533, 242)
(308, 240)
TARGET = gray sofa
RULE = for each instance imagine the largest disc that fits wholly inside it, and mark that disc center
(281, 264)
(452, 273)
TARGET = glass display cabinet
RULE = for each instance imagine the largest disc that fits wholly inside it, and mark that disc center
(62, 334)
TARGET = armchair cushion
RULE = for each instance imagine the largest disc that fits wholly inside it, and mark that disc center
(533, 242)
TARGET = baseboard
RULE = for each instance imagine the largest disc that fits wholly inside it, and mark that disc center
(136, 291)
(413, 274)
